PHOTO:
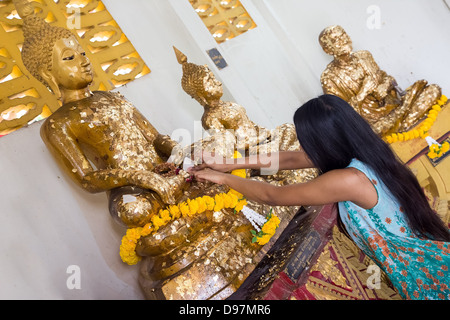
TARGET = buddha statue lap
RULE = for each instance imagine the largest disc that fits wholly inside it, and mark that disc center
(375, 95)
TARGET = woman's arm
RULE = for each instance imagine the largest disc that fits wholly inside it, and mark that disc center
(334, 186)
(284, 160)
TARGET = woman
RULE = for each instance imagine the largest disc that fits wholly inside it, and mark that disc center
(381, 203)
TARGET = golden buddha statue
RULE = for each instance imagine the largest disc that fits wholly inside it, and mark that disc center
(209, 256)
(99, 138)
(375, 95)
(221, 117)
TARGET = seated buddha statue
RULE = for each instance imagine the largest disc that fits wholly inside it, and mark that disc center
(375, 95)
(101, 141)
(220, 117)
(209, 256)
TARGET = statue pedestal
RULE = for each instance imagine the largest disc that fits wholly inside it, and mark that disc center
(314, 260)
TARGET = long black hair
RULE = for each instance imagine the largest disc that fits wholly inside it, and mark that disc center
(332, 133)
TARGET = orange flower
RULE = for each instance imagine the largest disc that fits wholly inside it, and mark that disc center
(201, 205)
(219, 202)
(147, 229)
(157, 222)
(184, 209)
(233, 199)
(165, 215)
(175, 211)
(240, 205)
(193, 206)
(209, 202)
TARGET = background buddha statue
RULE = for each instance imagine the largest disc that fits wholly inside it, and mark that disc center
(356, 78)
(219, 116)
(99, 138)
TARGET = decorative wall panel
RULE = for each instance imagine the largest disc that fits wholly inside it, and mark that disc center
(225, 19)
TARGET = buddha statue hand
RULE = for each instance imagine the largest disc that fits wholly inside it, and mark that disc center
(385, 87)
(166, 187)
(178, 154)
(368, 86)
(146, 194)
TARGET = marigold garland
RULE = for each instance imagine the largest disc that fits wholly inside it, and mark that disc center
(187, 208)
(267, 230)
(422, 130)
(438, 150)
(230, 200)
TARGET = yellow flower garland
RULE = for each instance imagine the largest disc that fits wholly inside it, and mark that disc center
(437, 151)
(187, 208)
(231, 200)
(423, 129)
(267, 230)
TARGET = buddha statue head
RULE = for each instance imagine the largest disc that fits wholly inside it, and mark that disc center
(52, 54)
(199, 82)
(335, 41)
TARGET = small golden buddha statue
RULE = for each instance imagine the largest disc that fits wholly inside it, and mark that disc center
(99, 138)
(375, 95)
(210, 255)
(220, 117)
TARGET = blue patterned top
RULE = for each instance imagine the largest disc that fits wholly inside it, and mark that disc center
(418, 268)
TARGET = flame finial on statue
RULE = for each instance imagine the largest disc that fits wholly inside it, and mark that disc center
(193, 75)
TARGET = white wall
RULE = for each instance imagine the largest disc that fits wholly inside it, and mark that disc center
(412, 43)
(276, 67)
(48, 224)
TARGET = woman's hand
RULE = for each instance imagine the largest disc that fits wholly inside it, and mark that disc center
(209, 175)
(213, 162)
